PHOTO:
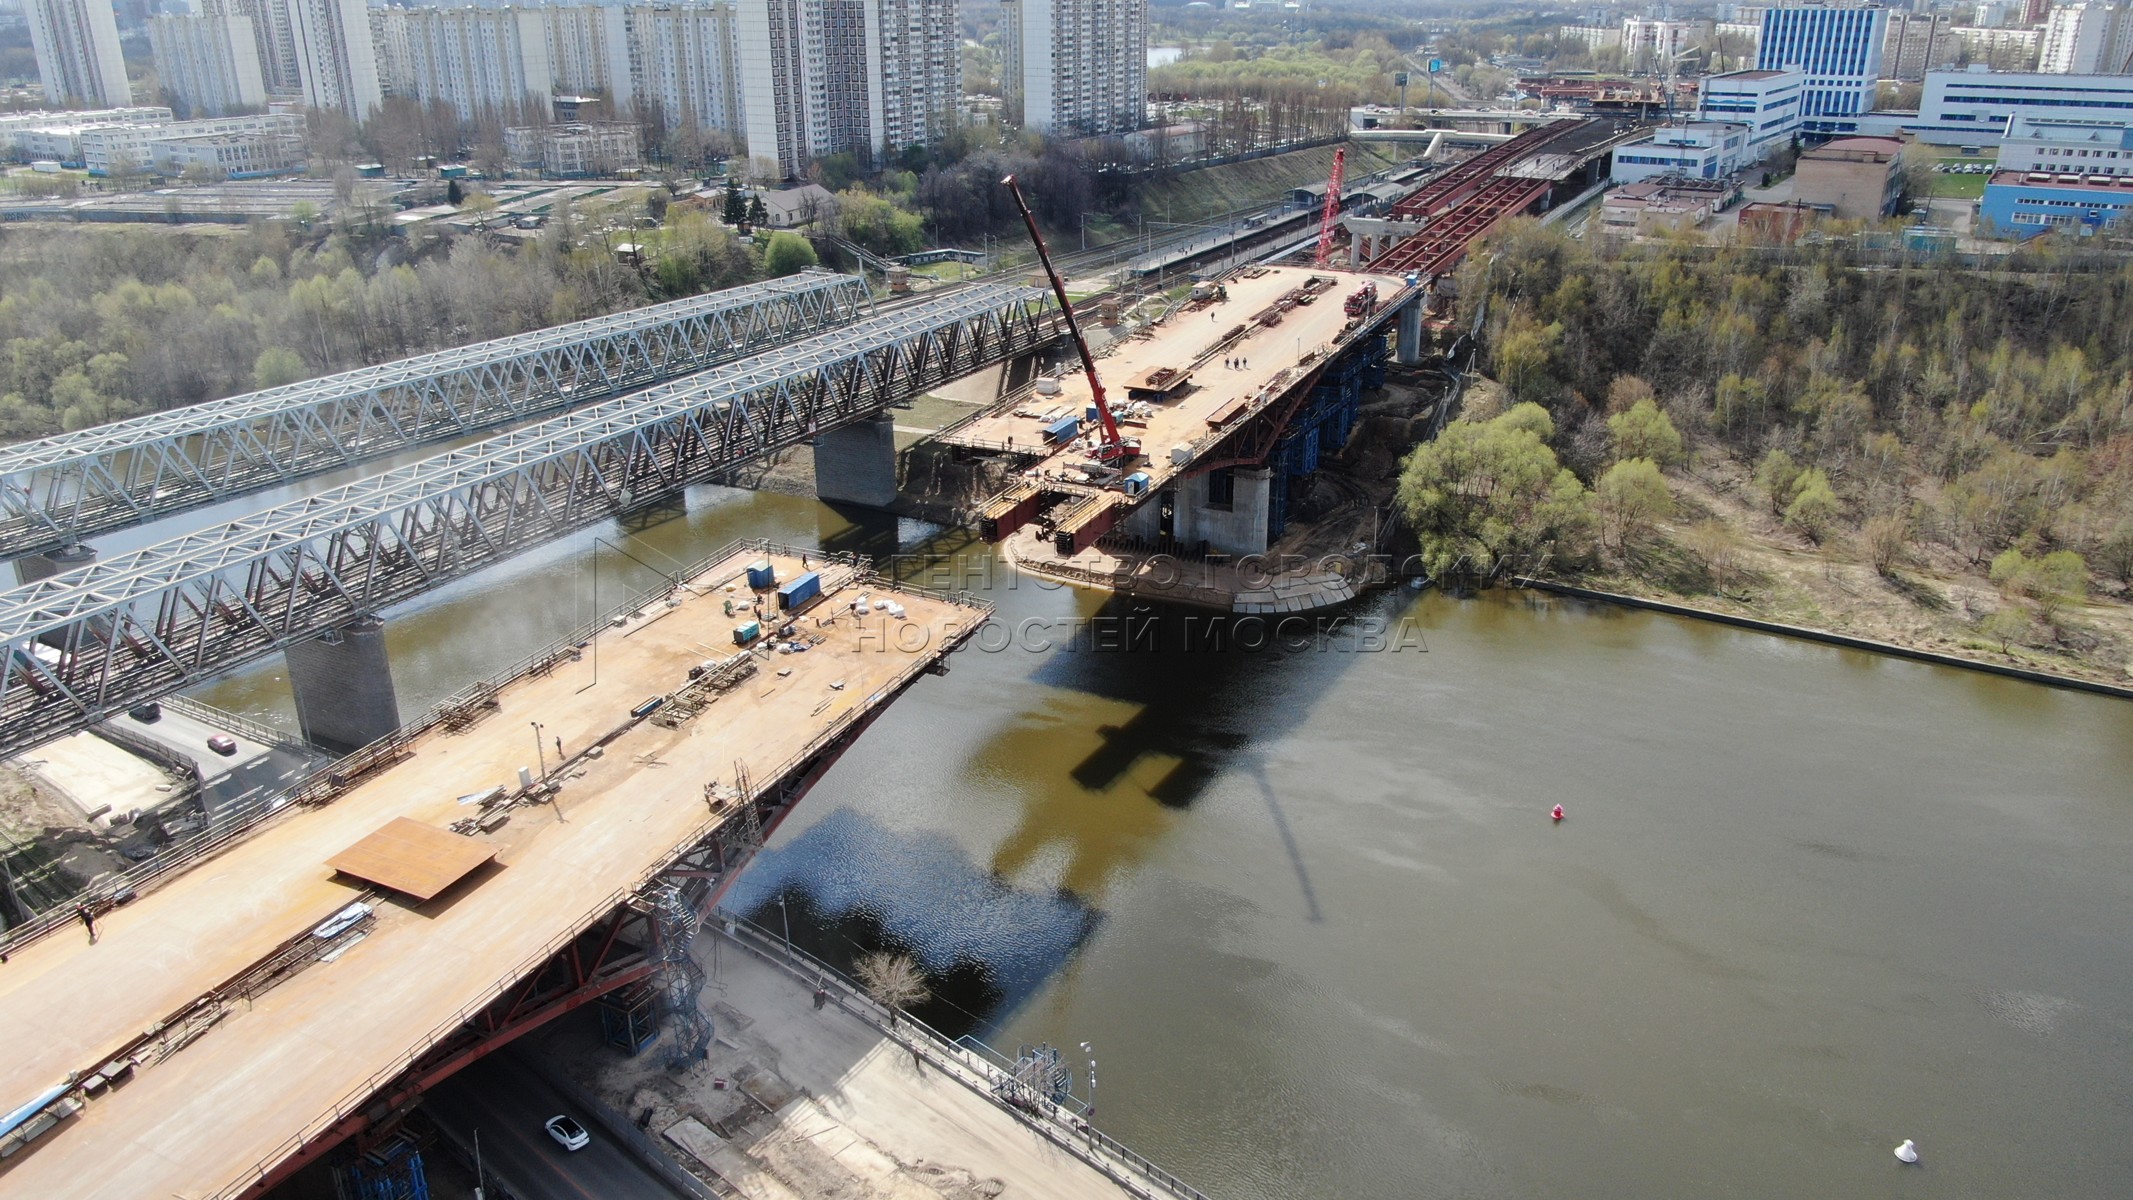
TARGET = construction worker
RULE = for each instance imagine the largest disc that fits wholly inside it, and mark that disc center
(88, 920)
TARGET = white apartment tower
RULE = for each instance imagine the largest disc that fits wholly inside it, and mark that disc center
(589, 52)
(336, 56)
(1083, 65)
(2087, 39)
(210, 65)
(78, 58)
(823, 77)
(915, 76)
(273, 36)
(682, 64)
(481, 61)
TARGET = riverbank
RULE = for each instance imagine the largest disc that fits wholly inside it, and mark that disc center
(1931, 603)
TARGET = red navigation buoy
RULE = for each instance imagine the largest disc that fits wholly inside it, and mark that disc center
(1557, 813)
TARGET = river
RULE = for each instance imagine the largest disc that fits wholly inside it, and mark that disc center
(1307, 906)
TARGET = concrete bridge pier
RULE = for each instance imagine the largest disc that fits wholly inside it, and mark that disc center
(343, 683)
(1408, 348)
(856, 464)
(43, 566)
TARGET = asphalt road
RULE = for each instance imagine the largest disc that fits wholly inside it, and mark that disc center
(507, 1104)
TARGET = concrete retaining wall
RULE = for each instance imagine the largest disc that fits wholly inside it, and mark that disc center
(1828, 638)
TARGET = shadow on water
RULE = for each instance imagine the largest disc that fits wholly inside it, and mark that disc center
(849, 887)
(1193, 693)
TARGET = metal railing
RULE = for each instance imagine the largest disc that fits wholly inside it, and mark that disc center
(979, 1067)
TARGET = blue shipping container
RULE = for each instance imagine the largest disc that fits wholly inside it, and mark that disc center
(1062, 430)
(1136, 483)
(762, 575)
(795, 595)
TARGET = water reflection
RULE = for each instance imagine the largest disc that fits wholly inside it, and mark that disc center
(850, 886)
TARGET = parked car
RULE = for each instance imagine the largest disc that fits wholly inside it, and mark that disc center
(222, 744)
(146, 714)
(571, 1134)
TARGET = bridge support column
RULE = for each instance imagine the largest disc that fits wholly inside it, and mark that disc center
(856, 464)
(44, 566)
(343, 684)
(1408, 350)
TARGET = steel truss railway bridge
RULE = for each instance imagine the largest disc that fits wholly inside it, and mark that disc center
(86, 644)
(57, 491)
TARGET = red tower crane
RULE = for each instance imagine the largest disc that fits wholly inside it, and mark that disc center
(1114, 449)
(1333, 208)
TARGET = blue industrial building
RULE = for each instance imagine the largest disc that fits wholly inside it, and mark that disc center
(2025, 204)
(1839, 50)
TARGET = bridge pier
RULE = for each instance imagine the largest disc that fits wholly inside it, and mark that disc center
(856, 464)
(343, 683)
(43, 566)
(1408, 350)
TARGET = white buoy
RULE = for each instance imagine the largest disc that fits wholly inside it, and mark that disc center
(1908, 1152)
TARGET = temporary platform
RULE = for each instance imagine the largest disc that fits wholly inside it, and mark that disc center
(252, 1031)
(412, 858)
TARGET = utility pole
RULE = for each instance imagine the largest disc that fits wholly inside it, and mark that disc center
(540, 752)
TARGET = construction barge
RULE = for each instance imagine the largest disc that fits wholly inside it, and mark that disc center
(1239, 390)
(545, 843)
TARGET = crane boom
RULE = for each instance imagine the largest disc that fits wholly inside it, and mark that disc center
(1327, 220)
(1113, 447)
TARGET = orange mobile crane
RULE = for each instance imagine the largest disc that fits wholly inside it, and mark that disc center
(1114, 450)
(1330, 219)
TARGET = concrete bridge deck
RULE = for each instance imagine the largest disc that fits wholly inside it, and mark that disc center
(210, 1116)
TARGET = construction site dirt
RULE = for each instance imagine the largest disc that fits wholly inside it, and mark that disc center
(203, 1086)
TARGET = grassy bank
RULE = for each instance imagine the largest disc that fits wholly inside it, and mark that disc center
(1213, 191)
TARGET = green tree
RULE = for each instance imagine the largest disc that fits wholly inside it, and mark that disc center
(275, 366)
(1814, 509)
(787, 254)
(1642, 431)
(735, 212)
(1526, 359)
(2051, 581)
(1631, 497)
(1775, 475)
(758, 215)
(1490, 498)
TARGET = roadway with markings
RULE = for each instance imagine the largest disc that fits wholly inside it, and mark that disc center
(507, 1104)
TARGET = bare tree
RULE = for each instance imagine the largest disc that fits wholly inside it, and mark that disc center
(894, 981)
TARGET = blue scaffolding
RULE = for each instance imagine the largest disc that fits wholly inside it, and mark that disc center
(1324, 423)
(391, 1170)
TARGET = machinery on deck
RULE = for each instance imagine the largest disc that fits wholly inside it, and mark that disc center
(1114, 450)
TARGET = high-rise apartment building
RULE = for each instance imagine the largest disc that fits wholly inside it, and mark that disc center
(682, 65)
(1081, 66)
(1918, 42)
(273, 36)
(484, 62)
(336, 55)
(864, 77)
(589, 51)
(2087, 39)
(915, 75)
(77, 48)
(1838, 48)
(209, 65)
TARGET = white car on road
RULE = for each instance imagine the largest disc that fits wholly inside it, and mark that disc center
(568, 1132)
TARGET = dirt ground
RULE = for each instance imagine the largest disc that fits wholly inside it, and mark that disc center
(1935, 601)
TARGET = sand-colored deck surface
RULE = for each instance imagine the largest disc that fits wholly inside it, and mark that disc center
(1264, 357)
(282, 1067)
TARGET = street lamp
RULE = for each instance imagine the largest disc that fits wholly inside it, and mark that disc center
(786, 917)
(1090, 1050)
(540, 754)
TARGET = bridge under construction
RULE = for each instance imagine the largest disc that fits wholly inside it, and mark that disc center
(444, 886)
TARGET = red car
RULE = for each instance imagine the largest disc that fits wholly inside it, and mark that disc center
(222, 744)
